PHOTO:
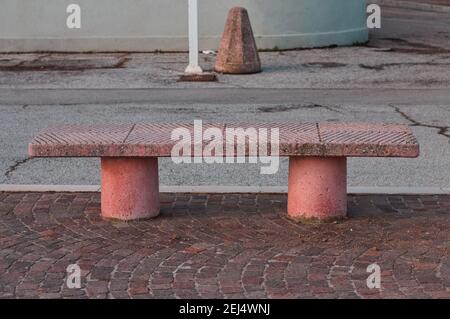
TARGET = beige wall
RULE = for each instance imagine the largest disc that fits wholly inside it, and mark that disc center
(146, 25)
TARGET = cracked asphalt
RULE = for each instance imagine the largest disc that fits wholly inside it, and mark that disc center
(442, 130)
(21, 121)
(401, 76)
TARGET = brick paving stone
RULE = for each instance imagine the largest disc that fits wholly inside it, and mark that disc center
(223, 246)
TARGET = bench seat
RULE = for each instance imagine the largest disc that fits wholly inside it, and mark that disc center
(154, 140)
(317, 166)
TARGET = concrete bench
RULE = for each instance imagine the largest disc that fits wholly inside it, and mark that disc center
(317, 160)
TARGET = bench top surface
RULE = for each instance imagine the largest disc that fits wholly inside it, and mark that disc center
(295, 139)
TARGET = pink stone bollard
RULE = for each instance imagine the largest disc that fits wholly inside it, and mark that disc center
(238, 53)
(130, 188)
(317, 188)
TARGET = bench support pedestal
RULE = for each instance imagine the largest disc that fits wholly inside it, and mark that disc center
(130, 188)
(317, 188)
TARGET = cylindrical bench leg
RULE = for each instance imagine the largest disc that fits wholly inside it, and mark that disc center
(317, 188)
(130, 188)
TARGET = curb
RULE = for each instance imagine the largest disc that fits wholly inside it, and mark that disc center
(414, 5)
(228, 189)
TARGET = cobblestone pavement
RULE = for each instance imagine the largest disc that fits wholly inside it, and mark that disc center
(223, 246)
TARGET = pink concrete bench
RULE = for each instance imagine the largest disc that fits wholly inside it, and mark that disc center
(317, 160)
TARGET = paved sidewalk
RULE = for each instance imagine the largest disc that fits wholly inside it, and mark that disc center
(387, 62)
(223, 246)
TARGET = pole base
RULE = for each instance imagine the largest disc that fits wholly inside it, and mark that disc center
(203, 77)
(193, 69)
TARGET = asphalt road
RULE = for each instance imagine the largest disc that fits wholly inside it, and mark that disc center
(404, 28)
(25, 112)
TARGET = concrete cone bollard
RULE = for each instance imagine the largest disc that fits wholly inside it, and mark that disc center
(238, 53)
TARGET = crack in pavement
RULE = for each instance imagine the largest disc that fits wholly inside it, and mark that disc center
(14, 167)
(293, 107)
(443, 130)
(39, 64)
(405, 46)
(383, 66)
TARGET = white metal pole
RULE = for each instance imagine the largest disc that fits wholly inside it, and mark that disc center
(193, 67)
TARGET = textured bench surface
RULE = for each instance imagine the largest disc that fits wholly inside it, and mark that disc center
(296, 139)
